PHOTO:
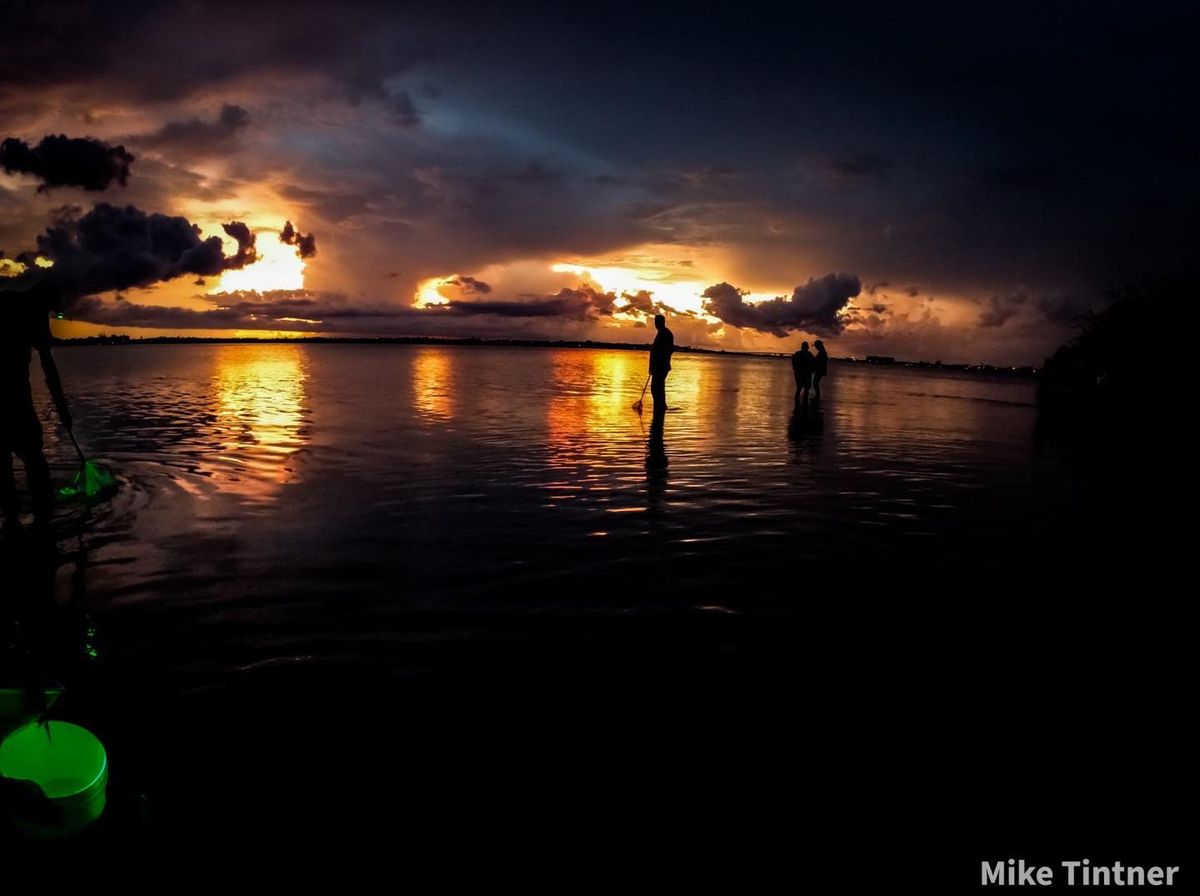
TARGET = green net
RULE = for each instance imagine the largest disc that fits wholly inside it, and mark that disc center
(92, 481)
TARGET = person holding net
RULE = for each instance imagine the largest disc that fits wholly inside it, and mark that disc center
(25, 328)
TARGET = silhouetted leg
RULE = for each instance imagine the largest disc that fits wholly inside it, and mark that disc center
(8, 488)
(658, 390)
(38, 472)
(29, 449)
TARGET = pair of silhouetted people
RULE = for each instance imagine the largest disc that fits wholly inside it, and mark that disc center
(25, 328)
(809, 370)
(660, 362)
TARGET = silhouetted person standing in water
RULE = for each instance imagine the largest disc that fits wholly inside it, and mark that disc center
(820, 368)
(660, 362)
(24, 328)
(803, 364)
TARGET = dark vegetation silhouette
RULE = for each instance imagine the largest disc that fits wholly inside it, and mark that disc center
(1109, 360)
(1106, 399)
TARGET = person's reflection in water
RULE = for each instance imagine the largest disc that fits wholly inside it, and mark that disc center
(43, 639)
(806, 424)
(43, 644)
(656, 457)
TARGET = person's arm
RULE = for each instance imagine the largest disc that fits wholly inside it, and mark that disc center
(54, 384)
(47, 295)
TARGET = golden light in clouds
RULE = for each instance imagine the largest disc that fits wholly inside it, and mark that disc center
(429, 291)
(278, 267)
(659, 276)
(681, 294)
(10, 267)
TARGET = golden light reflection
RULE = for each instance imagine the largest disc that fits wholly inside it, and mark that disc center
(278, 267)
(260, 394)
(589, 412)
(432, 373)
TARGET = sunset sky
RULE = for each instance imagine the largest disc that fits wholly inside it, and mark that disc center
(954, 183)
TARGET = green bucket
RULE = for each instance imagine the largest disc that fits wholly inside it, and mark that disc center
(68, 764)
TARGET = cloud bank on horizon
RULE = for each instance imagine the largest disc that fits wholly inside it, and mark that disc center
(926, 184)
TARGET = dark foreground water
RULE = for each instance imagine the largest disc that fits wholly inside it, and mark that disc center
(339, 576)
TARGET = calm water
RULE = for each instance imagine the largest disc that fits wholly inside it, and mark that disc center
(308, 536)
(282, 502)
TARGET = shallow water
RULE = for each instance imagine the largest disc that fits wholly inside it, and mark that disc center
(309, 535)
(298, 457)
(280, 501)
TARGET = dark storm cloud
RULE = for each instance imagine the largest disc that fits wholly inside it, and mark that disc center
(272, 310)
(584, 303)
(1054, 308)
(471, 285)
(1065, 309)
(61, 161)
(333, 312)
(245, 241)
(970, 149)
(640, 302)
(305, 243)
(195, 135)
(1001, 310)
(814, 307)
(112, 248)
(159, 51)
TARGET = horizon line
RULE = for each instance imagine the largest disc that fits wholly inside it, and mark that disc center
(874, 360)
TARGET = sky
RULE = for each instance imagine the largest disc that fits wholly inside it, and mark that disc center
(956, 183)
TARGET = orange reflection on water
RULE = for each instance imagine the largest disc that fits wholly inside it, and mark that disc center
(260, 394)
(590, 402)
(432, 372)
(589, 418)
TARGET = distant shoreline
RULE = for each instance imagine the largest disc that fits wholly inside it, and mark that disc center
(873, 361)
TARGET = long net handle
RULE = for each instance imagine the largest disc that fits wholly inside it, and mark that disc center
(78, 450)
